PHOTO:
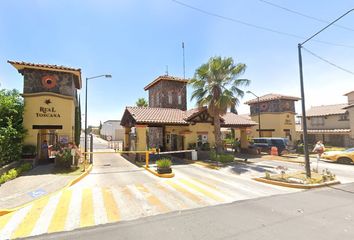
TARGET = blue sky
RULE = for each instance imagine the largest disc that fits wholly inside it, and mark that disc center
(134, 40)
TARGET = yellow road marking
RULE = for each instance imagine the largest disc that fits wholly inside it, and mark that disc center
(28, 223)
(61, 211)
(164, 189)
(86, 217)
(152, 199)
(201, 190)
(207, 184)
(111, 206)
(185, 192)
(5, 219)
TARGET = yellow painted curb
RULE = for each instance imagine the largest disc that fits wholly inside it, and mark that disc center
(295, 185)
(164, 175)
(9, 210)
(76, 180)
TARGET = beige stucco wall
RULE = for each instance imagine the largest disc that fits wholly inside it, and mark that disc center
(61, 111)
(330, 122)
(190, 132)
(276, 121)
(350, 98)
(351, 121)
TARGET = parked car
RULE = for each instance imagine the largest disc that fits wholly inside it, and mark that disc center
(265, 144)
(346, 156)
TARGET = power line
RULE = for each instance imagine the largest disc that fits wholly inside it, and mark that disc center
(327, 61)
(254, 25)
(304, 15)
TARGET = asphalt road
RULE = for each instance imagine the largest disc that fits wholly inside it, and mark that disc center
(118, 191)
(325, 214)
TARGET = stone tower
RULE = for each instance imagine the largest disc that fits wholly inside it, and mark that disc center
(168, 92)
(50, 100)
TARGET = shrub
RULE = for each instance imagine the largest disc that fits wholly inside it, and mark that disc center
(164, 163)
(205, 146)
(15, 172)
(222, 157)
(192, 146)
(63, 158)
(29, 150)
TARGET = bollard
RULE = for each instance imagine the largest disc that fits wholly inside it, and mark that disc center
(147, 159)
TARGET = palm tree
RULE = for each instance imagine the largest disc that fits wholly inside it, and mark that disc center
(141, 102)
(216, 85)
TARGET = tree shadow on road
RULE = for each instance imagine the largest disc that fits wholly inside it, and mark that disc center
(241, 168)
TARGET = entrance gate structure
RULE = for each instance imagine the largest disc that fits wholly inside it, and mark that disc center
(179, 130)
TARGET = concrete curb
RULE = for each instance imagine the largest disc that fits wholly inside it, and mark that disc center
(164, 175)
(74, 181)
(296, 185)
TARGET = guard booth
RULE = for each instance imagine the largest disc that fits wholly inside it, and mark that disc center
(50, 105)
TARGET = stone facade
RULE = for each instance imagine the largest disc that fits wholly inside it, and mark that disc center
(33, 82)
(275, 106)
(168, 94)
(155, 139)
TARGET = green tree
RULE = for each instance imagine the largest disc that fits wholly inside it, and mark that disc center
(78, 123)
(217, 86)
(141, 102)
(11, 128)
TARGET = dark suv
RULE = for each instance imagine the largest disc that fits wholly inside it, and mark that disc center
(265, 144)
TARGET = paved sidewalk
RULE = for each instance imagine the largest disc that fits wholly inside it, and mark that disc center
(32, 185)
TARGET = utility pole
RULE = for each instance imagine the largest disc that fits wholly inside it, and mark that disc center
(304, 123)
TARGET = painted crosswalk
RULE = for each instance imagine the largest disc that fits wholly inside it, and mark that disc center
(78, 207)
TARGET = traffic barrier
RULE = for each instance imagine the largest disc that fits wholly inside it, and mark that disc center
(274, 151)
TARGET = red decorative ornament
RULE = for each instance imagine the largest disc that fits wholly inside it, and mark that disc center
(49, 81)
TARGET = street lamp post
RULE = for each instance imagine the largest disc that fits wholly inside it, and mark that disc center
(106, 76)
(304, 123)
(259, 113)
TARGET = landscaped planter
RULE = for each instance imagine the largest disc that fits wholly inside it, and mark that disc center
(164, 170)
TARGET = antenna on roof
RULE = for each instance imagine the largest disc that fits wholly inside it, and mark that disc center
(184, 64)
(166, 70)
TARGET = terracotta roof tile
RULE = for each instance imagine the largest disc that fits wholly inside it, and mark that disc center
(52, 66)
(326, 110)
(175, 116)
(234, 119)
(167, 78)
(270, 97)
(157, 115)
(339, 130)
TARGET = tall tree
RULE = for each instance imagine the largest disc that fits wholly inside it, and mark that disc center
(11, 127)
(141, 102)
(78, 123)
(217, 85)
(233, 110)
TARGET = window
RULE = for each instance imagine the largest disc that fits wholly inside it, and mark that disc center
(157, 100)
(317, 121)
(344, 117)
(179, 99)
(170, 98)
